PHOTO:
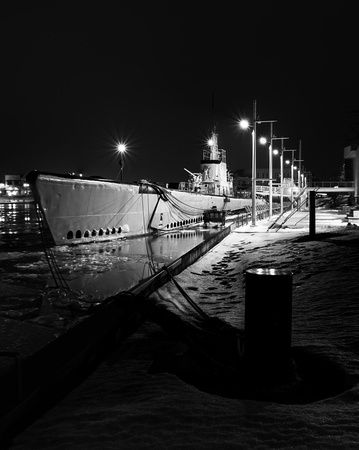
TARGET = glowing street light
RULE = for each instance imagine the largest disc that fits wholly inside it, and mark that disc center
(244, 124)
(121, 148)
(263, 141)
(292, 179)
(299, 187)
(275, 152)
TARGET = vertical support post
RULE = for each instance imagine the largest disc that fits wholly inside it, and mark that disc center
(300, 159)
(270, 172)
(312, 213)
(254, 163)
(292, 183)
(281, 179)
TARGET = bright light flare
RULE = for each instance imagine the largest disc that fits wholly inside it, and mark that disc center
(210, 142)
(244, 124)
(263, 140)
(275, 152)
(121, 148)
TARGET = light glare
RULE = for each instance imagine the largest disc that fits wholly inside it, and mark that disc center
(121, 148)
(244, 124)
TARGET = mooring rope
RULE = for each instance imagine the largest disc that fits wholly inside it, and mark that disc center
(186, 296)
(50, 258)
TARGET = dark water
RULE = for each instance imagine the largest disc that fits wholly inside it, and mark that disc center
(85, 274)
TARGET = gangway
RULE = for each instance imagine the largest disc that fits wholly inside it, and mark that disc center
(293, 211)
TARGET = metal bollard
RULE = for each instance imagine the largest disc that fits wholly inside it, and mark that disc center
(268, 317)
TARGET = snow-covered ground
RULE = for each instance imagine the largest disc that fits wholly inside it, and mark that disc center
(136, 399)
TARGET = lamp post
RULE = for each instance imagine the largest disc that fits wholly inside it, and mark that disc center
(281, 169)
(244, 124)
(294, 161)
(281, 176)
(263, 141)
(292, 167)
(121, 148)
(271, 172)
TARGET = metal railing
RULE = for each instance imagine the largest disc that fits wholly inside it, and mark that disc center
(313, 184)
(331, 184)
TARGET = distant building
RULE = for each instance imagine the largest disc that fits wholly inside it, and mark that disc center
(351, 169)
(263, 173)
(15, 186)
(242, 183)
(242, 179)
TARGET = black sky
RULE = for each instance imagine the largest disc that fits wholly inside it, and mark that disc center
(79, 77)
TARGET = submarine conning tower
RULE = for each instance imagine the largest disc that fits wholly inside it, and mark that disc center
(215, 177)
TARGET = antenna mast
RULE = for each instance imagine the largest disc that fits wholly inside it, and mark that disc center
(213, 121)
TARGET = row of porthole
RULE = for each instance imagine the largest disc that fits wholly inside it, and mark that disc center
(114, 230)
(184, 222)
(93, 233)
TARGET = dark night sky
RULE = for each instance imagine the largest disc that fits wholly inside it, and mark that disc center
(79, 77)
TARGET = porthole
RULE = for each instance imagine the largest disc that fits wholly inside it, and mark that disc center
(78, 234)
(119, 230)
(113, 231)
(70, 235)
(108, 231)
(86, 234)
(94, 233)
(100, 233)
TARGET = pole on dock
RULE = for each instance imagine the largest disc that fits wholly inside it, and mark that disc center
(312, 213)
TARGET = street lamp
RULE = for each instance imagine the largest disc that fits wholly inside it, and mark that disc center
(263, 141)
(270, 175)
(299, 187)
(121, 148)
(245, 125)
(281, 171)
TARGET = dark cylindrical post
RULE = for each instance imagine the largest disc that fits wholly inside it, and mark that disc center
(312, 213)
(268, 317)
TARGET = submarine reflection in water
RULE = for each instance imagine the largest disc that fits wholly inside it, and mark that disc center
(105, 269)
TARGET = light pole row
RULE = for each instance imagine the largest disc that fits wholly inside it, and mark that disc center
(245, 125)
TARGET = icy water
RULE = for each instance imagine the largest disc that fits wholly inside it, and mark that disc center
(80, 275)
